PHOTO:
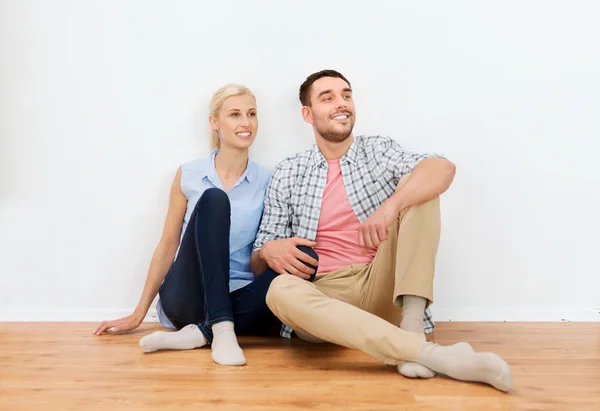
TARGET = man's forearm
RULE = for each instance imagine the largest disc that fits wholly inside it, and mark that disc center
(429, 179)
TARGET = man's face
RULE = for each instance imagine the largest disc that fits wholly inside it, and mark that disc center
(332, 109)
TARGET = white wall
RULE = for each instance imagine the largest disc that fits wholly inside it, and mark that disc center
(101, 101)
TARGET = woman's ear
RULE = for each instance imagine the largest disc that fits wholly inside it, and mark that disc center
(213, 122)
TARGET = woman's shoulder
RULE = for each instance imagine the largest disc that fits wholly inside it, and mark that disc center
(192, 175)
(196, 164)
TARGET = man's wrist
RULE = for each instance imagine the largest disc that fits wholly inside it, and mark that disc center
(260, 251)
(396, 203)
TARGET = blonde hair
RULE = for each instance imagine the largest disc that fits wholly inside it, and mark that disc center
(216, 102)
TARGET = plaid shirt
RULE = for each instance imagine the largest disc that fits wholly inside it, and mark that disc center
(371, 169)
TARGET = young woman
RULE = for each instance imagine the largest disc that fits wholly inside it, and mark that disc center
(201, 267)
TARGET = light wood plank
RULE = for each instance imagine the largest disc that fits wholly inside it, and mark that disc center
(62, 366)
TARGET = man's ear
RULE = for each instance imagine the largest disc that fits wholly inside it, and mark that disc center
(307, 114)
(213, 122)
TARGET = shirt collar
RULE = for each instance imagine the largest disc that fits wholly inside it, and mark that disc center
(316, 157)
(210, 171)
(351, 155)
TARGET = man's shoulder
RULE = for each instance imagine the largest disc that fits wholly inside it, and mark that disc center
(373, 148)
(373, 142)
(294, 162)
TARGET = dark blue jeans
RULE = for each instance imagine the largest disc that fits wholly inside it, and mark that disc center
(196, 288)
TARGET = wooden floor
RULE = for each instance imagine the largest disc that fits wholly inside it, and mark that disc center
(62, 366)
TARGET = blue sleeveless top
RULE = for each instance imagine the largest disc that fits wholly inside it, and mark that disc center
(247, 203)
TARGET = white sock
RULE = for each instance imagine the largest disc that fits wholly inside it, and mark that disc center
(415, 370)
(413, 310)
(188, 338)
(225, 348)
(456, 362)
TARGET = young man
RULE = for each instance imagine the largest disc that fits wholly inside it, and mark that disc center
(371, 212)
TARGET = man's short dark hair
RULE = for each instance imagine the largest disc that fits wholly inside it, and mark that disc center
(305, 87)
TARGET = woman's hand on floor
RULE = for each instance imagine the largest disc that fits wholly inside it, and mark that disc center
(131, 322)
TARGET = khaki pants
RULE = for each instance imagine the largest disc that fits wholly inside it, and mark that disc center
(358, 306)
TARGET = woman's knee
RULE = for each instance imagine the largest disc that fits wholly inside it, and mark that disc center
(214, 200)
(214, 195)
(309, 250)
(312, 253)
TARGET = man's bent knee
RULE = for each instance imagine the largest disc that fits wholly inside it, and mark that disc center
(280, 289)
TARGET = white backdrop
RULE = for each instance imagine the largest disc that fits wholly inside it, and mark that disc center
(101, 101)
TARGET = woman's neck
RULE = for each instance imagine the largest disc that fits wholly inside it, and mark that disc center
(231, 163)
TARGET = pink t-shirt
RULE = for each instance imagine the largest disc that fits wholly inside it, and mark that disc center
(337, 233)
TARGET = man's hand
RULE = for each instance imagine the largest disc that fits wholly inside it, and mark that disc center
(374, 230)
(284, 258)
